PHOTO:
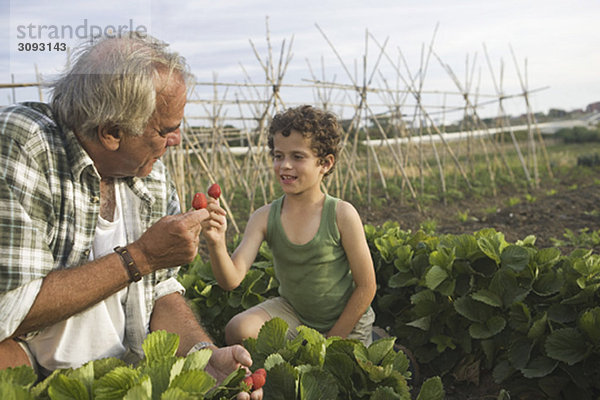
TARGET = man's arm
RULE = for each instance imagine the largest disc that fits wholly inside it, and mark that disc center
(171, 313)
(172, 241)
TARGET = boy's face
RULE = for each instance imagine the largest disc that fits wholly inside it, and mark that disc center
(296, 166)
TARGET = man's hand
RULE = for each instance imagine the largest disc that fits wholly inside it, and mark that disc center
(225, 360)
(170, 242)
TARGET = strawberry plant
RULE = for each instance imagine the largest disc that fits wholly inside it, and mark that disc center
(528, 314)
(161, 375)
(313, 367)
(464, 304)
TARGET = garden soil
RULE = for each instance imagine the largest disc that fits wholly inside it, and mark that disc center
(546, 215)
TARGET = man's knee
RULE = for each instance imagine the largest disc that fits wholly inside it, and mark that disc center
(12, 354)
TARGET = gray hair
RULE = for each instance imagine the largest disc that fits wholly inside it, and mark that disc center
(112, 83)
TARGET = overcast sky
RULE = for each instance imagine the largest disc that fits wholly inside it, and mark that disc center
(555, 42)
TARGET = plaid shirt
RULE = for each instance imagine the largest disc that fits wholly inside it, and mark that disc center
(49, 205)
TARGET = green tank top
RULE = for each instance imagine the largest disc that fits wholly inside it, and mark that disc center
(314, 277)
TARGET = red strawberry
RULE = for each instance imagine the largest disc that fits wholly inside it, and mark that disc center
(199, 201)
(249, 381)
(214, 191)
(259, 377)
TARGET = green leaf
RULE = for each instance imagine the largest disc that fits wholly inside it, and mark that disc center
(402, 279)
(567, 345)
(547, 257)
(105, 365)
(23, 376)
(515, 257)
(519, 317)
(423, 323)
(340, 362)
(548, 283)
(403, 256)
(502, 371)
(589, 323)
(425, 303)
(160, 344)
(309, 346)
(519, 352)
(197, 360)
(375, 372)
(442, 257)
(161, 372)
(195, 382)
(435, 276)
(492, 327)
(317, 385)
(465, 246)
(272, 336)
(491, 243)
(176, 394)
(379, 349)
(273, 360)
(432, 389)
(562, 313)
(11, 391)
(115, 384)
(473, 310)
(65, 388)
(443, 342)
(141, 391)
(538, 328)
(281, 382)
(386, 393)
(539, 367)
(488, 297)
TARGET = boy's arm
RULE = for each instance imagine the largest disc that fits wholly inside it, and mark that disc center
(361, 264)
(230, 271)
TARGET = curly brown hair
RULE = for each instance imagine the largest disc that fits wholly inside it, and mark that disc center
(321, 127)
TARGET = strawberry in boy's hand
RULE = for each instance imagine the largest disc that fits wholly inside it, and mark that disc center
(199, 201)
(214, 191)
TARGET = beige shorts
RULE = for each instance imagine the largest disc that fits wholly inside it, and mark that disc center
(279, 307)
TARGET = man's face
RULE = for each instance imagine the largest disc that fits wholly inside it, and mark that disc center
(137, 154)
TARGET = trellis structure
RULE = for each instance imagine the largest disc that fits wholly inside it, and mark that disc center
(390, 133)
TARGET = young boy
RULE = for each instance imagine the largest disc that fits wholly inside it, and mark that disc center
(321, 257)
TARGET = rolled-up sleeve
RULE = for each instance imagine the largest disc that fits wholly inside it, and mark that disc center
(14, 306)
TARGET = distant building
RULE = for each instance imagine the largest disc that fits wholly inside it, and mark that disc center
(593, 107)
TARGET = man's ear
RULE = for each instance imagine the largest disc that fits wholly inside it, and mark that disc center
(110, 137)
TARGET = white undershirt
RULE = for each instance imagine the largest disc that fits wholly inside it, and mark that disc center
(97, 332)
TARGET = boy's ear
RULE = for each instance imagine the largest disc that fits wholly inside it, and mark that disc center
(110, 137)
(327, 163)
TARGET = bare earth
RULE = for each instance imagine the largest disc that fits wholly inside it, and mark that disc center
(546, 217)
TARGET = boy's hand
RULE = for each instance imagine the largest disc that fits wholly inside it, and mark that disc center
(215, 226)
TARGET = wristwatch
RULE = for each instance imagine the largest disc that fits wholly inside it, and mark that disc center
(199, 346)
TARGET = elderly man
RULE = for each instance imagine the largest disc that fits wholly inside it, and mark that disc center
(92, 233)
